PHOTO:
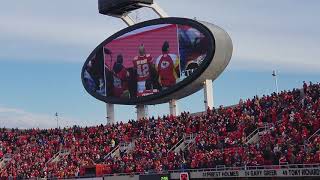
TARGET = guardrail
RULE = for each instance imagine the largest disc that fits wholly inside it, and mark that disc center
(52, 158)
(111, 152)
(177, 144)
(186, 139)
(224, 168)
(265, 127)
(5, 159)
(313, 135)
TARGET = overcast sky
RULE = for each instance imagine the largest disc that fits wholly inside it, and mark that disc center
(43, 45)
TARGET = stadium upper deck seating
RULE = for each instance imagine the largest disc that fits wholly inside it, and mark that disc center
(220, 139)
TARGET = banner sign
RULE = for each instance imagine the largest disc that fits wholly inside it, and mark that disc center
(154, 177)
(289, 172)
(259, 173)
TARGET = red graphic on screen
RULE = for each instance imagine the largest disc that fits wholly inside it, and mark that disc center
(128, 45)
(139, 52)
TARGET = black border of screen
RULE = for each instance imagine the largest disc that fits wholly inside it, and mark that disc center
(145, 99)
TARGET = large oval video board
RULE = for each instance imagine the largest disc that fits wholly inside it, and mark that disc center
(151, 62)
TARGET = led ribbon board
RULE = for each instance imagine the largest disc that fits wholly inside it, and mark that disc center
(155, 61)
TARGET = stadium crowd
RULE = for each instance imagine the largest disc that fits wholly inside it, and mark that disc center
(290, 118)
(220, 139)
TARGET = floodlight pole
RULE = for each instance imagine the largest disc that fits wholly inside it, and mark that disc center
(275, 75)
(57, 119)
(208, 94)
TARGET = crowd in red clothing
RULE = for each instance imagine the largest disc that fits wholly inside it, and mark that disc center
(291, 119)
(220, 139)
(32, 150)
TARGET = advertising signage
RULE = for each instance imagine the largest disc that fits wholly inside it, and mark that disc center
(155, 177)
(148, 61)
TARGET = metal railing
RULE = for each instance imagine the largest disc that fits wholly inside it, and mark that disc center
(187, 139)
(58, 155)
(265, 127)
(191, 140)
(51, 159)
(4, 161)
(177, 144)
(223, 168)
(111, 152)
(313, 135)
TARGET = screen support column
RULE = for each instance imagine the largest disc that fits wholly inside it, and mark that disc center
(110, 113)
(173, 107)
(141, 111)
(110, 107)
(127, 19)
(208, 94)
(156, 8)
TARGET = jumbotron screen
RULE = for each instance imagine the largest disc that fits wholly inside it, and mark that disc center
(145, 61)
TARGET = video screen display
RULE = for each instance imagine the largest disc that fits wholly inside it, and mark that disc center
(146, 61)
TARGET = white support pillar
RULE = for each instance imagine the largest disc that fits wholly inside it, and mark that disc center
(173, 107)
(110, 113)
(208, 94)
(156, 8)
(127, 19)
(141, 111)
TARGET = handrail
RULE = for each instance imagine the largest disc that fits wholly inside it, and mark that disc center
(131, 145)
(291, 166)
(177, 144)
(111, 152)
(189, 144)
(314, 134)
(1, 161)
(251, 135)
(191, 136)
(9, 157)
(186, 137)
(53, 157)
(64, 151)
(265, 127)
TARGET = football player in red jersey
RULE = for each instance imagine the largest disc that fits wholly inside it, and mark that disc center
(168, 67)
(120, 78)
(143, 65)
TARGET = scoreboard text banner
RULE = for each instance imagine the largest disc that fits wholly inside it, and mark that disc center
(285, 172)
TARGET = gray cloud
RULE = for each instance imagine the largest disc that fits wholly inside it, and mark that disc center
(282, 34)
